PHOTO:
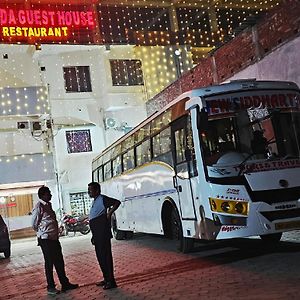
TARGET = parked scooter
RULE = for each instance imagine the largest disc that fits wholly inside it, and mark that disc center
(69, 223)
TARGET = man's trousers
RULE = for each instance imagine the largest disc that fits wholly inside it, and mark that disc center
(53, 257)
(101, 231)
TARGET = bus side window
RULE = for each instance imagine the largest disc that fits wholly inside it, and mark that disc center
(162, 146)
(128, 160)
(143, 153)
(185, 153)
(180, 145)
(117, 166)
(100, 174)
(95, 176)
(190, 150)
(107, 170)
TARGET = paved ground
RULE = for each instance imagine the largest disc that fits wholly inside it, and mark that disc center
(148, 267)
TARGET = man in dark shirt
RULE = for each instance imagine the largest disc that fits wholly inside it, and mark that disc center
(259, 143)
(100, 215)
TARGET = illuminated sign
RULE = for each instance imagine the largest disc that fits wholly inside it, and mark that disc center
(54, 24)
(269, 99)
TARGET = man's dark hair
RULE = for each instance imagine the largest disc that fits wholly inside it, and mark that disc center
(42, 191)
(94, 185)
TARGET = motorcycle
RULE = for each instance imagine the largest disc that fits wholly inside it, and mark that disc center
(74, 224)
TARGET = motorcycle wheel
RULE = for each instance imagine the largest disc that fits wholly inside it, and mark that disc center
(61, 231)
(85, 230)
(66, 231)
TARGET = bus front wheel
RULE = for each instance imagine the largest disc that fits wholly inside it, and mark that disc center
(185, 245)
(271, 238)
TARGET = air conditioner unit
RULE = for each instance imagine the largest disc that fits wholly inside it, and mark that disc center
(23, 125)
(36, 128)
(110, 123)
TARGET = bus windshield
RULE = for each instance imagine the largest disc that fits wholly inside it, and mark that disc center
(240, 139)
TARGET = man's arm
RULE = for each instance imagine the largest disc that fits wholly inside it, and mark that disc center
(36, 217)
(112, 205)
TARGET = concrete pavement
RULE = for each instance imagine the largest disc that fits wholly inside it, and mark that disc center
(149, 267)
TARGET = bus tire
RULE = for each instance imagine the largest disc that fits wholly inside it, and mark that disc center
(184, 245)
(119, 234)
(271, 238)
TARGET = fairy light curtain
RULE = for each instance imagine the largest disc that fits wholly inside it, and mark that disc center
(79, 141)
(77, 79)
(126, 72)
(197, 23)
(24, 101)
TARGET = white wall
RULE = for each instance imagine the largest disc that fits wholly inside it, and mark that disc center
(75, 111)
(72, 111)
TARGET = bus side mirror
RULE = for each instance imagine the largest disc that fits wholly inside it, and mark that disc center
(202, 120)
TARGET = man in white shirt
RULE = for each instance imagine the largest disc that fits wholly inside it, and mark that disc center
(45, 224)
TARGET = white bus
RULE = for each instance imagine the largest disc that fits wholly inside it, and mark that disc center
(216, 163)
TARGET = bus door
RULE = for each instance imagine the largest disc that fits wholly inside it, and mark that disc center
(182, 166)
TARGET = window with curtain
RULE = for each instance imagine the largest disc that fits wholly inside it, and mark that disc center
(79, 141)
(126, 72)
(77, 79)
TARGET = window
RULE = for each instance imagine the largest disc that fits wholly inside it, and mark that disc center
(143, 153)
(80, 203)
(180, 145)
(162, 146)
(128, 160)
(100, 174)
(95, 176)
(77, 79)
(79, 141)
(107, 171)
(126, 72)
(117, 166)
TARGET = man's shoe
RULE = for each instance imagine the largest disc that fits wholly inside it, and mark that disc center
(69, 286)
(110, 285)
(53, 291)
(101, 283)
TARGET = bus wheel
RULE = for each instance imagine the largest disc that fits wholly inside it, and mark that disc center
(118, 234)
(185, 245)
(271, 238)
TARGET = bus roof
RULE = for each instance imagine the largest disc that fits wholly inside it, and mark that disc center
(232, 86)
(242, 85)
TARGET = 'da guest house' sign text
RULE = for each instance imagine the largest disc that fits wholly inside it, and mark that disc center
(47, 24)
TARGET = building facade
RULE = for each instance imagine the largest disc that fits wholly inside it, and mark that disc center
(75, 79)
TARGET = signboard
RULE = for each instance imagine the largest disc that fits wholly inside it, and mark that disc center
(255, 99)
(48, 24)
(8, 205)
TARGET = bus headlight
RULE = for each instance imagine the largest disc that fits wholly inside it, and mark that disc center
(213, 204)
(225, 206)
(229, 206)
(239, 207)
